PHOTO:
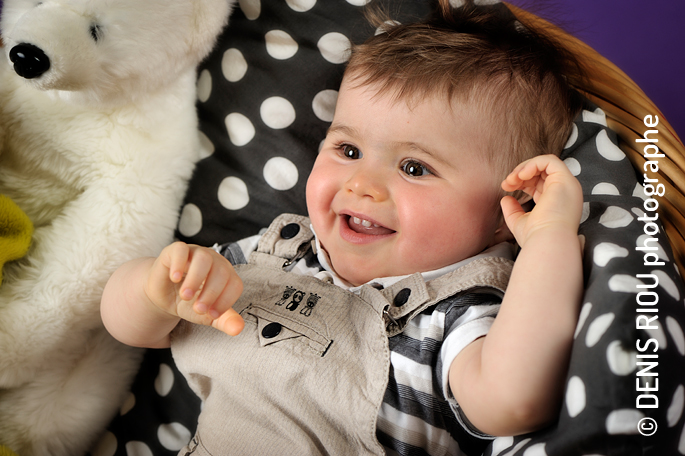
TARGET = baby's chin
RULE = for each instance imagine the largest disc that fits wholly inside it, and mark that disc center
(362, 274)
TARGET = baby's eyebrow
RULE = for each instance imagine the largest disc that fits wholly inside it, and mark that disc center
(343, 129)
(424, 150)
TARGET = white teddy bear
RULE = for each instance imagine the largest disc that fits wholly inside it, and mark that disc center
(99, 138)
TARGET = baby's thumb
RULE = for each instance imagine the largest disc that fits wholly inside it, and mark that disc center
(229, 322)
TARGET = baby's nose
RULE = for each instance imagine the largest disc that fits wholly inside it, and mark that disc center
(368, 182)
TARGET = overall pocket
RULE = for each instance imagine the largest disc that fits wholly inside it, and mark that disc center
(274, 328)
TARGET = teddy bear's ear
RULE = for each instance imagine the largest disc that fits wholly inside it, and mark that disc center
(211, 16)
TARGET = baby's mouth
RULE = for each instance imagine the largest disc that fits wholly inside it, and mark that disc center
(362, 226)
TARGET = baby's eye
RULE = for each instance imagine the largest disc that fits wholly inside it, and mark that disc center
(415, 169)
(351, 152)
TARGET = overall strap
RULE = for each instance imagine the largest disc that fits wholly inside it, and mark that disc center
(286, 240)
(412, 295)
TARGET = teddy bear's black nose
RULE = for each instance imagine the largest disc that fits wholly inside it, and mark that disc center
(29, 60)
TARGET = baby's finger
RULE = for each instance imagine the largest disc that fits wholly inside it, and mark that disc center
(221, 290)
(178, 255)
(200, 265)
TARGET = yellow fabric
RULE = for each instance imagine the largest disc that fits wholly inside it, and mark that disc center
(4, 451)
(626, 106)
(15, 234)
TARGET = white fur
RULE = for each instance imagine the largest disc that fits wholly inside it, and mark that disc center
(98, 152)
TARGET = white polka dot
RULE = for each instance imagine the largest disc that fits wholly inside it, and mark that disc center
(165, 380)
(280, 45)
(277, 113)
(675, 410)
(240, 129)
(606, 251)
(586, 212)
(605, 188)
(572, 137)
(536, 450)
(573, 165)
(190, 222)
(173, 436)
(233, 194)
(323, 104)
(251, 8)
(233, 65)
(623, 421)
(676, 334)
(597, 116)
(597, 328)
(575, 396)
(358, 2)
(204, 86)
(621, 362)
(500, 444)
(681, 443)
(301, 5)
(607, 148)
(128, 404)
(615, 217)
(280, 173)
(667, 283)
(637, 211)
(138, 449)
(334, 47)
(106, 446)
(639, 191)
(206, 146)
(584, 312)
(624, 283)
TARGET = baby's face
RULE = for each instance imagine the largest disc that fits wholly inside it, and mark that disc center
(397, 190)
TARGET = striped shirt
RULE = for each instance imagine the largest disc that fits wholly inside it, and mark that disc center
(418, 416)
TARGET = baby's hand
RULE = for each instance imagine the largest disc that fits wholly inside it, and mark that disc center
(557, 194)
(198, 285)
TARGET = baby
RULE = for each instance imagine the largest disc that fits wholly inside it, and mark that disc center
(369, 327)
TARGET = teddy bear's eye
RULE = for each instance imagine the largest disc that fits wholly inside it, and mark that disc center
(96, 32)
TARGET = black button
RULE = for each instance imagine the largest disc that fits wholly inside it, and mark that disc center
(290, 230)
(402, 297)
(271, 330)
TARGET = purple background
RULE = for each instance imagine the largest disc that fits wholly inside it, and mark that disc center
(644, 39)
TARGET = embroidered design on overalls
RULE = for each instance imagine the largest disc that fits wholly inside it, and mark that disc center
(311, 302)
(286, 295)
(297, 298)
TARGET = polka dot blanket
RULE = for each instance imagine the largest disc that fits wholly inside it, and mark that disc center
(266, 97)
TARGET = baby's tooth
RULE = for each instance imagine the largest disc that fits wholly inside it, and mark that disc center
(366, 223)
(356, 220)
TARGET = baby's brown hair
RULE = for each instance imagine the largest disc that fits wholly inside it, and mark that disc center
(484, 57)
